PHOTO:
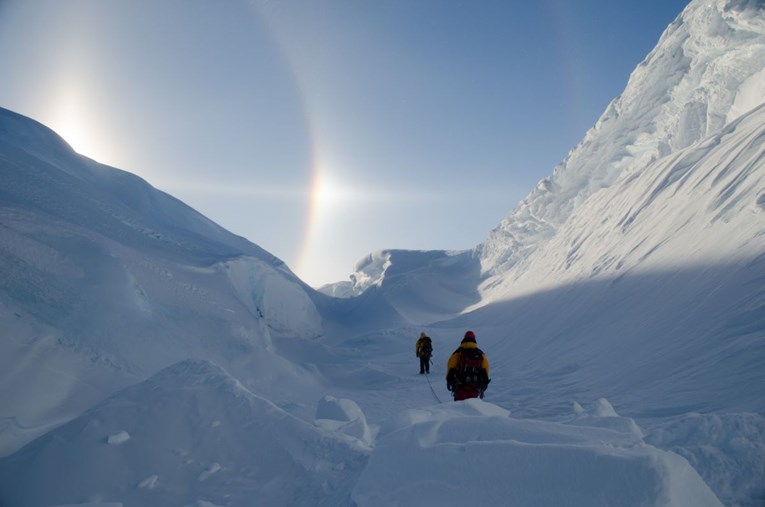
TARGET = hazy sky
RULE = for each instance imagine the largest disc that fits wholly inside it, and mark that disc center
(323, 130)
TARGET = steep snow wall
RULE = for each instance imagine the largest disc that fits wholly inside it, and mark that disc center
(705, 72)
(106, 279)
(702, 205)
(420, 286)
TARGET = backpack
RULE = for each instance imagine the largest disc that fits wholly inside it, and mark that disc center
(470, 369)
(426, 348)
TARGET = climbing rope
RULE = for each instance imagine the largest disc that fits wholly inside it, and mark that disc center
(427, 376)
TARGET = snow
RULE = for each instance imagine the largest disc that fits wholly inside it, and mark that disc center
(210, 471)
(344, 416)
(149, 483)
(519, 462)
(749, 96)
(712, 442)
(175, 457)
(149, 357)
(705, 70)
(118, 438)
(175, 452)
(276, 299)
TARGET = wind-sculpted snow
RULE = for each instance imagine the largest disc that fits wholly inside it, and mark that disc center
(106, 280)
(659, 344)
(705, 72)
(422, 286)
(521, 463)
(712, 443)
(344, 416)
(42, 175)
(634, 273)
(195, 435)
(284, 305)
(699, 205)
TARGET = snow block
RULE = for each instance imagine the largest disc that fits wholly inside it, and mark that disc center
(604, 416)
(463, 457)
(176, 455)
(726, 449)
(338, 409)
(344, 416)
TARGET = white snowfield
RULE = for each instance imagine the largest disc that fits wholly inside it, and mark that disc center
(149, 357)
(588, 461)
(706, 71)
(467, 452)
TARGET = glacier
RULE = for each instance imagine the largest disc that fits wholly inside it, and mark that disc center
(150, 357)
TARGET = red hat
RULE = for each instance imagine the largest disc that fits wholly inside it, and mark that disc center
(469, 337)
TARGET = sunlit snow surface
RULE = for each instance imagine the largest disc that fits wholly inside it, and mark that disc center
(149, 357)
(705, 72)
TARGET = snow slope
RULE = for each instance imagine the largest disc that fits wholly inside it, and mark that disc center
(422, 286)
(188, 435)
(699, 207)
(652, 294)
(706, 71)
(149, 357)
(587, 461)
(636, 271)
(106, 280)
(193, 435)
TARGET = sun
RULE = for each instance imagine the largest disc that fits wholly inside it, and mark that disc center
(70, 123)
(71, 117)
(77, 136)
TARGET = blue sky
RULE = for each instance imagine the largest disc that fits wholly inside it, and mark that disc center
(324, 130)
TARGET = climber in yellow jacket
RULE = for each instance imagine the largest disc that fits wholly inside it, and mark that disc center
(467, 372)
(424, 349)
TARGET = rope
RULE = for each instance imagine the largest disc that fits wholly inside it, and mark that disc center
(431, 386)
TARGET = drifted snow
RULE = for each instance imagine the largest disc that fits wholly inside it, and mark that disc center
(175, 456)
(344, 416)
(274, 298)
(118, 438)
(107, 280)
(261, 454)
(700, 205)
(518, 462)
(420, 286)
(705, 71)
(629, 282)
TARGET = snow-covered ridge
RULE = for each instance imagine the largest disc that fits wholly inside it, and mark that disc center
(422, 286)
(591, 460)
(106, 279)
(649, 293)
(702, 205)
(706, 70)
(42, 174)
(368, 272)
(193, 435)
(189, 435)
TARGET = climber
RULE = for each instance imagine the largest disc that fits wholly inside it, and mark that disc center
(467, 372)
(423, 350)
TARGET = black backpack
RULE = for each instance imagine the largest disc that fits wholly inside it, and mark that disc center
(427, 347)
(470, 370)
